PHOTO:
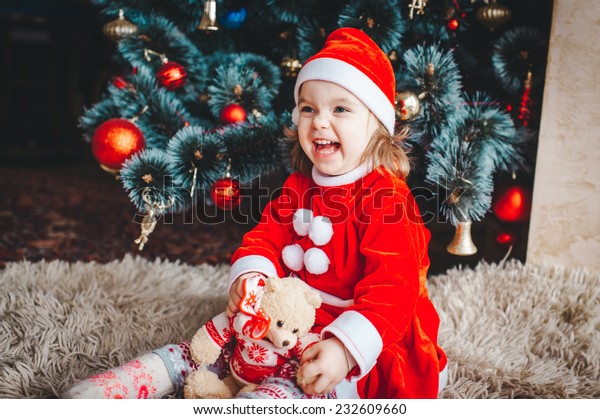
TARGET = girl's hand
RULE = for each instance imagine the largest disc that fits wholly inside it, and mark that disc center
(236, 293)
(324, 365)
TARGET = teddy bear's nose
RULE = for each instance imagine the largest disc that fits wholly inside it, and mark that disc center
(285, 343)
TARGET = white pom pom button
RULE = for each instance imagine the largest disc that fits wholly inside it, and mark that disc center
(321, 230)
(293, 257)
(302, 220)
(316, 261)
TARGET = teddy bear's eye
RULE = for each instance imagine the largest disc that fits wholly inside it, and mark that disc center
(295, 331)
(279, 323)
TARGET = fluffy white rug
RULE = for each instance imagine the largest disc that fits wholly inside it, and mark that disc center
(509, 331)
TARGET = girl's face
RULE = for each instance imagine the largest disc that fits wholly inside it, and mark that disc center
(334, 126)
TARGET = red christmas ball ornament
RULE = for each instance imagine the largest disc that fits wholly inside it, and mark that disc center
(119, 82)
(453, 24)
(115, 140)
(505, 238)
(513, 204)
(172, 75)
(233, 114)
(225, 193)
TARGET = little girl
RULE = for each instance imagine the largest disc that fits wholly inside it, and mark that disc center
(347, 224)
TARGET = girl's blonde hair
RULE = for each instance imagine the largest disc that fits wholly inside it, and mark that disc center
(383, 150)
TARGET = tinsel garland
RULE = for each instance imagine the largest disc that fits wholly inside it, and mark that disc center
(492, 131)
(197, 158)
(252, 147)
(382, 21)
(158, 112)
(150, 170)
(244, 86)
(461, 177)
(516, 52)
(289, 11)
(435, 76)
(157, 35)
(432, 26)
(310, 37)
(463, 160)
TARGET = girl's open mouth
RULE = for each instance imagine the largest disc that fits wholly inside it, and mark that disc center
(325, 147)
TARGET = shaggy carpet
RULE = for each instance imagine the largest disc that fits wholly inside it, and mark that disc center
(510, 331)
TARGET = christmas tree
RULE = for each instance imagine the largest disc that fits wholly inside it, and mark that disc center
(207, 87)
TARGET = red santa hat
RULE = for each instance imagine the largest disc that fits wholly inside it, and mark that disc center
(354, 61)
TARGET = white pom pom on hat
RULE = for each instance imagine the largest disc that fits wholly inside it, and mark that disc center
(293, 257)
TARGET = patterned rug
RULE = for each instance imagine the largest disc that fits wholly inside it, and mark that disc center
(46, 215)
(510, 331)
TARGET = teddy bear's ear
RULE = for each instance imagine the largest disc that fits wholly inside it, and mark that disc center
(313, 298)
(272, 284)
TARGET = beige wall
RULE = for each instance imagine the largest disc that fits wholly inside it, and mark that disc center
(565, 218)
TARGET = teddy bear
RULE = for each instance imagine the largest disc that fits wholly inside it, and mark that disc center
(272, 326)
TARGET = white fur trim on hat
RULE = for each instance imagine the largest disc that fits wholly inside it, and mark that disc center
(321, 230)
(302, 219)
(351, 79)
(293, 257)
(316, 261)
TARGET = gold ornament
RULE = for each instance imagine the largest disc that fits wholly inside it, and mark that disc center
(208, 22)
(493, 15)
(203, 97)
(462, 243)
(257, 114)
(238, 90)
(154, 209)
(111, 171)
(408, 105)
(119, 28)
(419, 6)
(290, 66)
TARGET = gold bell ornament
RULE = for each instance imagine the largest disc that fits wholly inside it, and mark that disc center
(119, 28)
(493, 15)
(462, 243)
(208, 22)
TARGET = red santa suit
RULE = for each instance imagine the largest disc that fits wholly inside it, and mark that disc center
(359, 240)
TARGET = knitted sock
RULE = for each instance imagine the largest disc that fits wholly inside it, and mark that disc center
(153, 375)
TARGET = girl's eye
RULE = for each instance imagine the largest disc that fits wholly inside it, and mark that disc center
(306, 109)
(340, 109)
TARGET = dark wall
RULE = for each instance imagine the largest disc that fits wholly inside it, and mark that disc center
(54, 62)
